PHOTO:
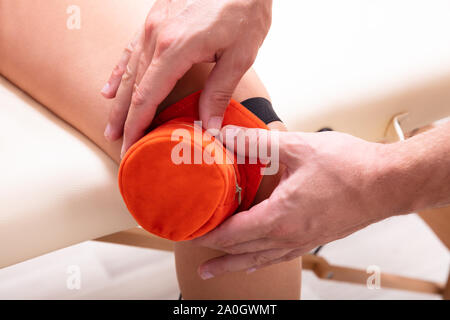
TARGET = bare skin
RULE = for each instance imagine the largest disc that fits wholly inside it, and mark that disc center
(65, 70)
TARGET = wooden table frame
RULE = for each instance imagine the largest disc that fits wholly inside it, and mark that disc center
(437, 219)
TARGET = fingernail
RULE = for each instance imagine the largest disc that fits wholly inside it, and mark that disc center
(251, 270)
(205, 275)
(108, 132)
(215, 123)
(106, 88)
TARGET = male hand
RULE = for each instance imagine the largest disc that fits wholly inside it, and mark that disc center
(334, 184)
(177, 35)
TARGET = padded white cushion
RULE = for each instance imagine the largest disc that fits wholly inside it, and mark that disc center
(56, 188)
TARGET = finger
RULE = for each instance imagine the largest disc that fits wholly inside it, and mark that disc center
(219, 88)
(110, 89)
(233, 263)
(121, 105)
(260, 144)
(158, 81)
(240, 228)
(146, 59)
(258, 245)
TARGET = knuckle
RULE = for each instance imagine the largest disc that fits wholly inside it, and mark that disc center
(165, 41)
(128, 75)
(220, 97)
(150, 25)
(142, 63)
(130, 48)
(126, 79)
(260, 259)
(118, 71)
(224, 243)
(138, 99)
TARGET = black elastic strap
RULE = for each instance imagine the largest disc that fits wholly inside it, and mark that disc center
(262, 108)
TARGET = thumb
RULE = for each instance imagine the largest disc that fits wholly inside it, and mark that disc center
(239, 228)
(219, 88)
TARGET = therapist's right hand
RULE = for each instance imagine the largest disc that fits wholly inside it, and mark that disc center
(334, 184)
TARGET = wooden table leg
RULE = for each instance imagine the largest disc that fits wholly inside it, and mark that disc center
(138, 237)
(439, 222)
(323, 270)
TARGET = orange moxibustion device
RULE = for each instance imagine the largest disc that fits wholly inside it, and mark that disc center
(171, 191)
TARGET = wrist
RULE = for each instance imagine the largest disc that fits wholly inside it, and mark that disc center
(387, 178)
(399, 182)
(413, 174)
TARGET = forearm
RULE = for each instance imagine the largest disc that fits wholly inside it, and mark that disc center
(417, 174)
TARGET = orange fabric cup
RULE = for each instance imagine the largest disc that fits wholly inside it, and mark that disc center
(179, 182)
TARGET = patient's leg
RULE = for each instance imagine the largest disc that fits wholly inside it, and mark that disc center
(65, 70)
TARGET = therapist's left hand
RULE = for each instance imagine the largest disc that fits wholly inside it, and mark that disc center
(177, 35)
(334, 185)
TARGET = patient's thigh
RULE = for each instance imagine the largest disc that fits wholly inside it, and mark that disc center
(65, 68)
